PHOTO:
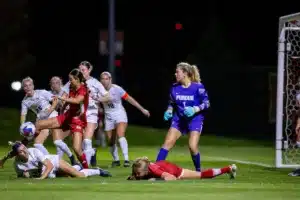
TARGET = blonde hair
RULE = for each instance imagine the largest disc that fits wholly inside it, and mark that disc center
(105, 73)
(56, 78)
(140, 163)
(26, 80)
(191, 70)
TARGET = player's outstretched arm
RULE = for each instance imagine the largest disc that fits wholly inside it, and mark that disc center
(133, 102)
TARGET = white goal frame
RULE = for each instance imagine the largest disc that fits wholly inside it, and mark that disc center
(280, 88)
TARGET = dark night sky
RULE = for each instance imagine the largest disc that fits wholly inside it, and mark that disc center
(225, 39)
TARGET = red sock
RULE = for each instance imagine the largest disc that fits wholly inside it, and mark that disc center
(211, 173)
(84, 161)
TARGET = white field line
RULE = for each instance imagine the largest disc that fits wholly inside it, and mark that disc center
(239, 161)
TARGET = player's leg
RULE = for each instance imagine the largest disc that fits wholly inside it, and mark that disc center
(40, 139)
(49, 123)
(58, 137)
(77, 146)
(100, 135)
(195, 129)
(113, 147)
(194, 138)
(172, 136)
(209, 173)
(92, 123)
(120, 131)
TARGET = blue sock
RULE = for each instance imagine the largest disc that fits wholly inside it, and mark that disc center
(196, 161)
(162, 154)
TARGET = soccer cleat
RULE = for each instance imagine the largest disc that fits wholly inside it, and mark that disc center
(295, 173)
(233, 169)
(104, 173)
(94, 158)
(126, 163)
(115, 163)
(73, 160)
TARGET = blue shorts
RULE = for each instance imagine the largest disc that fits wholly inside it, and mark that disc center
(188, 125)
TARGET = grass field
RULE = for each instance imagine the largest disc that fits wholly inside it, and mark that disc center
(256, 178)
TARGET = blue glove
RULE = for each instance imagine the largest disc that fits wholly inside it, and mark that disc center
(168, 115)
(189, 111)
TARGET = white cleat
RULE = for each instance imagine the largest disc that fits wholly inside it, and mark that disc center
(233, 169)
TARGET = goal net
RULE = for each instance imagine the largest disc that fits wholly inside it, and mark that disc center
(288, 86)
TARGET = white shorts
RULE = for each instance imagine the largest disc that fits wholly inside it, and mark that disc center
(110, 122)
(54, 159)
(92, 116)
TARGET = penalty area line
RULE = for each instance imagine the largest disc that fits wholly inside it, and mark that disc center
(240, 161)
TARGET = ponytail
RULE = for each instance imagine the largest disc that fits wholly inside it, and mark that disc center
(195, 77)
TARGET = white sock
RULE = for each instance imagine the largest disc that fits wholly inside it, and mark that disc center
(63, 146)
(59, 152)
(41, 148)
(216, 172)
(114, 152)
(77, 167)
(88, 150)
(90, 172)
(124, 147)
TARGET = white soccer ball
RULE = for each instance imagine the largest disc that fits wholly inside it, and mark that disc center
(27, 130)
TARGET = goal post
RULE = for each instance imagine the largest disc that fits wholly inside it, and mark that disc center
(288, 85)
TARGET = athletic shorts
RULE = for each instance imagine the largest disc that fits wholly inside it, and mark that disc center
(74, 124)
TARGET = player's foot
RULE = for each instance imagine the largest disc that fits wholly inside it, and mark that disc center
(126, 163)
(233, 169)
(115, 163)
(73, 160)
(94, 158)
(104, 173)
(295, 173)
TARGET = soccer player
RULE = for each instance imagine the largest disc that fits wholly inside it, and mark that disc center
(58, 134)
(95, 88)
(143, 169)
(38, 101)
(74, 119)
(116, 117)
(188, 100)
(33, 159)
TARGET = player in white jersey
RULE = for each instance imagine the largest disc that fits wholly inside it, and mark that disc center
(59, 135)
(116, 117)
(38, 101)
(33, 158)
(95, 89)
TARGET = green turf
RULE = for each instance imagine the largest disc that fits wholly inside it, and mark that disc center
(253, 182)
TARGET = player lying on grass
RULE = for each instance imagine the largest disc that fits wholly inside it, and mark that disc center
(32, 158)
(143, 169)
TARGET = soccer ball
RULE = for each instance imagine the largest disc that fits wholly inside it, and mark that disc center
(27, 130)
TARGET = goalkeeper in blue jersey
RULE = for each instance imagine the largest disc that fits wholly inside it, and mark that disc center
(188, 100)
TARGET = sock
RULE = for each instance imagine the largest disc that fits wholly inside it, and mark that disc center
(88, 150)
(211, 173)
(41, 148)
(77, 167)
(162, 154)
(59, 152)
(84, 161)
(114, 152)
(124, 147)
(196, 161)
(64, 147)
(90, 172)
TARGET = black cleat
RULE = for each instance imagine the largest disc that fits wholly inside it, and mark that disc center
(126, 163)
(115, 163)
(94, 159)
(104, 173)
(73, 160)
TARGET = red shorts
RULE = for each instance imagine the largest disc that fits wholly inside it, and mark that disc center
(74, 124)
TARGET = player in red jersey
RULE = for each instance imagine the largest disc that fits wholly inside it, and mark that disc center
(143, 169)
(74, 119)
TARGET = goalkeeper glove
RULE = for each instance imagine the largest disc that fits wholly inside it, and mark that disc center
(168, 115)
(190, 111)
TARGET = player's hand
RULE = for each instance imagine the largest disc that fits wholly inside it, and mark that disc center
(146, 112)
(189, 111)
(168, 115)
(170, 177)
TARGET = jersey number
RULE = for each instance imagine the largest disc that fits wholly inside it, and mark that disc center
(111, 105)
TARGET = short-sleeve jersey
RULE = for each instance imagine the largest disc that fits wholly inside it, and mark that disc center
(158, 168)
(79, 109)
(37, 103)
